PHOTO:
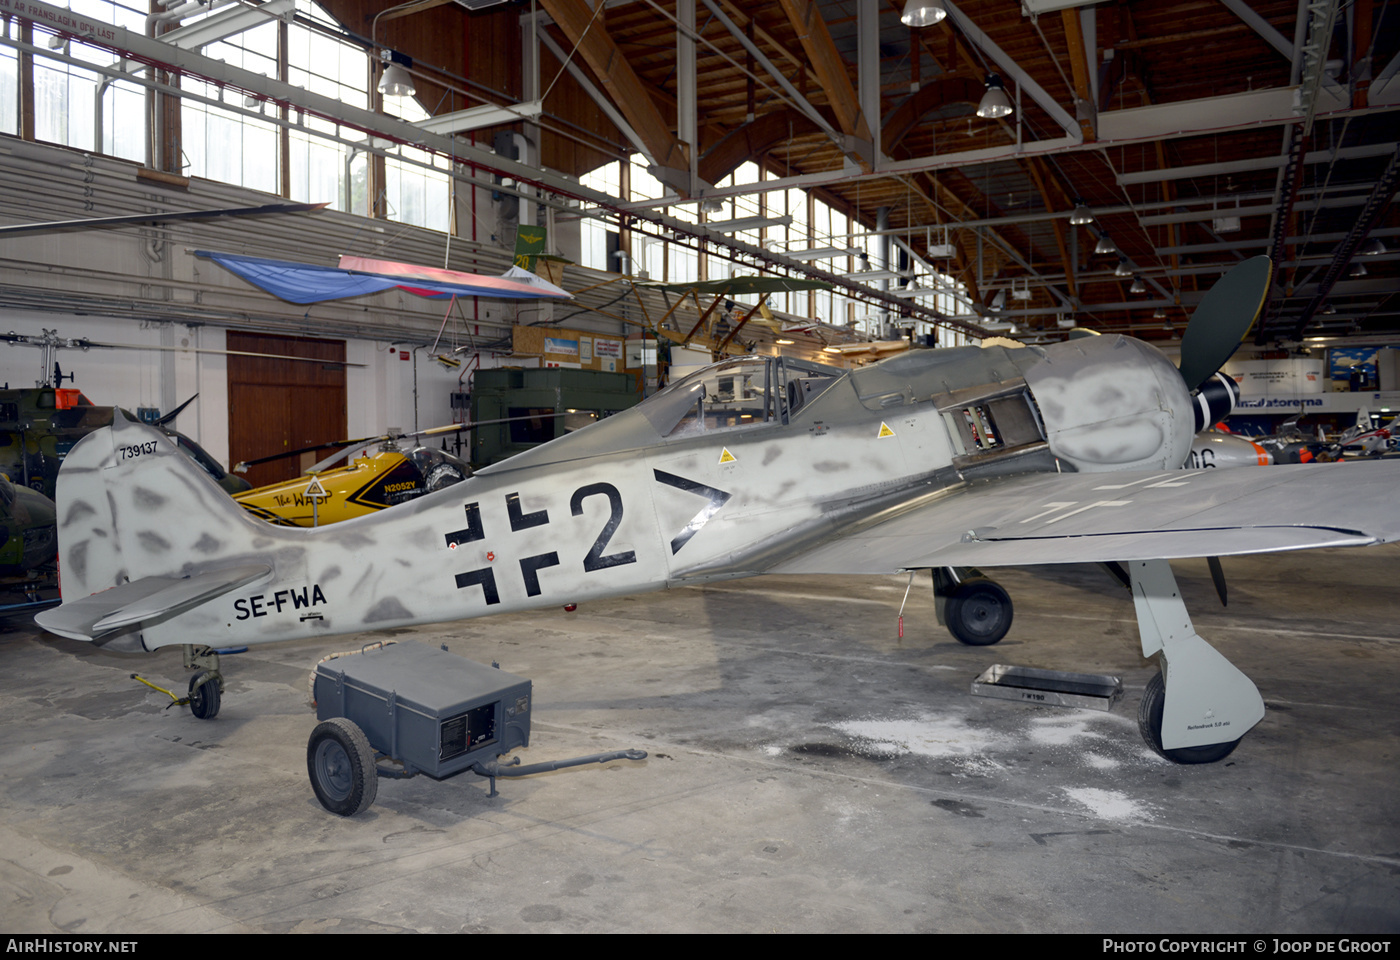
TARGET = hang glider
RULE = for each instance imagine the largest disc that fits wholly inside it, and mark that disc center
(311, 283)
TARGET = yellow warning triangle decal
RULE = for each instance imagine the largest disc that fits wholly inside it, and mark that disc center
(725, 456)
(885, 430)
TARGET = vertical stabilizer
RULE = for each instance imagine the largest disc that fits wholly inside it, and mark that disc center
(131, 506)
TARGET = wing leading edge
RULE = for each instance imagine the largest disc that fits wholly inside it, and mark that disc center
(1100, 517)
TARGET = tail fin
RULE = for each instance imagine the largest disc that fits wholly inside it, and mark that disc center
(132, 507)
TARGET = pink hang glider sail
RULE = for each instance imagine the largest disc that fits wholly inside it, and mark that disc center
(509, 282)
(311, 283)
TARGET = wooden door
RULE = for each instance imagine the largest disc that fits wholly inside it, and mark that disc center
(280, 405)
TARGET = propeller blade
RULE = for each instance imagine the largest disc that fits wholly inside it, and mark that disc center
(170, 417)
(1217, 573)
(159, 218)
(349, 445)
(1222, 319)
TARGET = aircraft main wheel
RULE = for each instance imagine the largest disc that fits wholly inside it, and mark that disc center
(341, 765)
(978, 612)
(204, 702)
(1150, 723)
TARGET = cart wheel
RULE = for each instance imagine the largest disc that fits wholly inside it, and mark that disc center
(341, 765)
(204, 702)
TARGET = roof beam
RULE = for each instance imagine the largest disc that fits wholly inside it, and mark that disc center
(1261, 26)
(598, 97)
(1257, 163)
(798, 100)
(1216, 213)
(1033, 166)
(1012, 69)
(1079, 59)
(946, 89)
(228, 22)
(626, 89)
(830, 68)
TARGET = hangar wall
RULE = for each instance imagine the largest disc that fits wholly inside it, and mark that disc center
(165, 370)
(143, 286)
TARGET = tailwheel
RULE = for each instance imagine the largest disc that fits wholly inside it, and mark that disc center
(207, 684)
(978, 612)
(1150, 724)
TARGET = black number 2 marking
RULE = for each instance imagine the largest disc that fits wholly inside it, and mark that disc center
(595, 559)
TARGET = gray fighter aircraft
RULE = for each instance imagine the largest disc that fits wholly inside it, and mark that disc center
(932, 460)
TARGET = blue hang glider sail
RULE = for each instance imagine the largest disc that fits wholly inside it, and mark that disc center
(309, 283)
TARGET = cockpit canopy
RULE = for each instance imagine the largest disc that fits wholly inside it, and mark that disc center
(741, 392)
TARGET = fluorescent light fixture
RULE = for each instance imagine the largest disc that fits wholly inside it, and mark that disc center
(1226, 224)
(820, 253)
(880, 275)
(913, 292)
(748, 223)
(1082, 215)
(923, 13)
(785, 343)
(995, 103)
(485, 115)
(1105, 244)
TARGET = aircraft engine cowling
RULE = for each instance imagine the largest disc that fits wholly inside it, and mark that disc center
(1112, 403)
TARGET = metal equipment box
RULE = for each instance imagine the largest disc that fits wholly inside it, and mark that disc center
(433, 711)
(1048, 687)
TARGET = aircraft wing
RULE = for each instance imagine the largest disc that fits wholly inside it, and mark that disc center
(1100, 517)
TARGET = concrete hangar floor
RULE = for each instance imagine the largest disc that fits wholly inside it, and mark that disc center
(808, 771)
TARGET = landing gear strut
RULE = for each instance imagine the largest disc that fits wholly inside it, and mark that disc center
(976, 611)
(207, 685)
(1200, 705)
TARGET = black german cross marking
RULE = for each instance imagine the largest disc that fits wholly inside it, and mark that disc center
(486, 577)
(530, 568)
(523, 521)
(471, 533)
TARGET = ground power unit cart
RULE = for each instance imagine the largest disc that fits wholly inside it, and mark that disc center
(396, 710)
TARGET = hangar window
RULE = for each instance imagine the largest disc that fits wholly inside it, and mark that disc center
(85, 109)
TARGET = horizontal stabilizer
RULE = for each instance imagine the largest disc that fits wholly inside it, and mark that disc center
(147, 599)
